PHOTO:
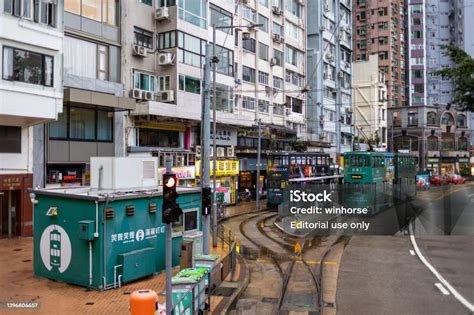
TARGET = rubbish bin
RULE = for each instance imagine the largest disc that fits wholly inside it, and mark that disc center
(206, 261)
(182, 284)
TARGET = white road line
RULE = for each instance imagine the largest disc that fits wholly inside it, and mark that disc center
(412, 252)
(448, 286)
(442, 288)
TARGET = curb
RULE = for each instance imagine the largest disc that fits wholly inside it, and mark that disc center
(245, 270)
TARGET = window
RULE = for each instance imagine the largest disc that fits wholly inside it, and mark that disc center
(418, 74)
(103, 59)
(278, 55)
(293, 7)
(419, 88)
(295, 104)
(249, 13)
(291, 56)
(293, 78)
(432, 143)
(41, 11)
(412, 119)
(397, 122)
(248, 103)
(105, 123)
(165, 3)
(10, 139)
(226, 61)
(263, 51)
(277, 82)
(263, 2)
(431, 118)
(248, 44)
(292, 31)
(105, 11)
(264, 21)
(461, 121)
(191, 220)
(143, 38)
(224, 98)
(193, 11)
(263, 106)
(167, 40)
(278, 109)
(26, 66)
(149, 2)
(143, 81)
(462, 143)
(58, 128)
(81, 123)
(192, 49)
(221, 17)
(189, 84)
(248, 74)
(263, 78)
(277, 29)
(148, 137)
(164, 83)
(417, 34)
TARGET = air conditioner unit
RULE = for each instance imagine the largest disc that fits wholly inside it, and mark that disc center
(139, 51)
(198, 151)
(276, 37)
(340, 74)
(246, 35)
(322, 28)
(288, 111)
(326, 7)
(162, 13)
(349, 110)
(301, 2)
(165, 59)
(273, 62)
(230, 151)
(137, 94)
(329, 57)
(147, 95)
(322, 135)
(340, 37)
(165, 96)
(220, 151)
(276, 10)
(321, 119)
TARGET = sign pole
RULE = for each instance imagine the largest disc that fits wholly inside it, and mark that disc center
(169, 254)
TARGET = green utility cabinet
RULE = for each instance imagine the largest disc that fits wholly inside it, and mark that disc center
(101, 239)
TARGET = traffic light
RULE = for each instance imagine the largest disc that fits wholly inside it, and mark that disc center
(171, 210)
(206, 200)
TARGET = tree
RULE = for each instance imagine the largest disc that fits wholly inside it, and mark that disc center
(299, 145)
(462, 74)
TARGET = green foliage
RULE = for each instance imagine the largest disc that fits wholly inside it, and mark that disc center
(463, 76)
(299, 145)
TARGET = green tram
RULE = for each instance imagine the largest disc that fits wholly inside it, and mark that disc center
(377, 180)
(284, 167)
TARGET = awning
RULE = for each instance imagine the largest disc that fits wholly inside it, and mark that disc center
(281, 128)
(97, 99)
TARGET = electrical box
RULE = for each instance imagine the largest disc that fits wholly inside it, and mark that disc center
(86, 230)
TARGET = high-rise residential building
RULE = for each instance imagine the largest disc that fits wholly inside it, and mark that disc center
(379, 29)
(330, 75)
(260, 75)
(369, 98)
(431, 126)
(91, 123)
(31, 45)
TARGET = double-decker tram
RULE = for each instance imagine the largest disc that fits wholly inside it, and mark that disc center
(378, 180)
(283, 168)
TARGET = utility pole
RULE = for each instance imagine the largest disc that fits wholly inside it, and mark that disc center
(259, 152)
(206, 140)
(169, 252)
(215, 60)
(338, 87)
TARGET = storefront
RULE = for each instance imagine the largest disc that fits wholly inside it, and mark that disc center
(248, 175)
(227, 172)
(448, 166)
(433, 165)
(464, 166)
(186, 175)
(16, 210)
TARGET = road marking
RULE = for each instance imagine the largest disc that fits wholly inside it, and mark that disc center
(310, 262)
(412, 252)
(448, 286)
(442, 288)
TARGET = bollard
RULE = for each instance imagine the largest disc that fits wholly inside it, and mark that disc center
(143, 302)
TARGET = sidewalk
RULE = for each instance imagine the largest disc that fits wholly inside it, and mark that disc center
(20, 285)
(244, 207)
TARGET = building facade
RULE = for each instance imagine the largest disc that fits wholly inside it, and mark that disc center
(330, 75)
(31, 93)
(430, 126)
(260, 76)
(91, 123)
(370, 102)
(380, 30)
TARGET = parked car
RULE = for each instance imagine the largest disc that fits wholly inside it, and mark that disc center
(456, 179)
(437, 180)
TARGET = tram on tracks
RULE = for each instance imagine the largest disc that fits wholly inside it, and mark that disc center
(283, 168)
(378, 180)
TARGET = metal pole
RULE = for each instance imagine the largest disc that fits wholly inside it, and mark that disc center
(206, 140)
(338, 90)
(259, 149)
(169, 254)
(214, 132)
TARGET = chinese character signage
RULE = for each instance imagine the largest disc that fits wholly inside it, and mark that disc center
(225, 136)
(223, 168)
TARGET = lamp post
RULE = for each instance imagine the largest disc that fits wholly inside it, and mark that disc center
(215, 60)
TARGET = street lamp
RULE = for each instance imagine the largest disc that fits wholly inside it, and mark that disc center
(215, 60)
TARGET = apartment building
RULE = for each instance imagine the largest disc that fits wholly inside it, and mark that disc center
(31, 44)
(370, 101)
(380, 29)
(329, 75)
(430, 126)
(91, 123)
(260, 76)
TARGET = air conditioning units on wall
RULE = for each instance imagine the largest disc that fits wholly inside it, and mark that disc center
(220, 151)
(277, 10)
(162, 14)
(326, 7)
(273, 62)
(230, 151)
(322, 135)
(198, 151)
(139, 51)
(165, 96)
(147, 95)
(137, 94)
(165, 59)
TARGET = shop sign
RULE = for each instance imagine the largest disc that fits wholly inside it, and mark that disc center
(223, 167)
(225, 136)
(184, 172)
(137, 235)
(433, 160)
(465, 160)
(11, 182)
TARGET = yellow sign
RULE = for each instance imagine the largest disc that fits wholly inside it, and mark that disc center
(223, 168)
(297, 250)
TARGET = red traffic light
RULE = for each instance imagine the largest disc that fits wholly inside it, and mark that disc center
(170, 181)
